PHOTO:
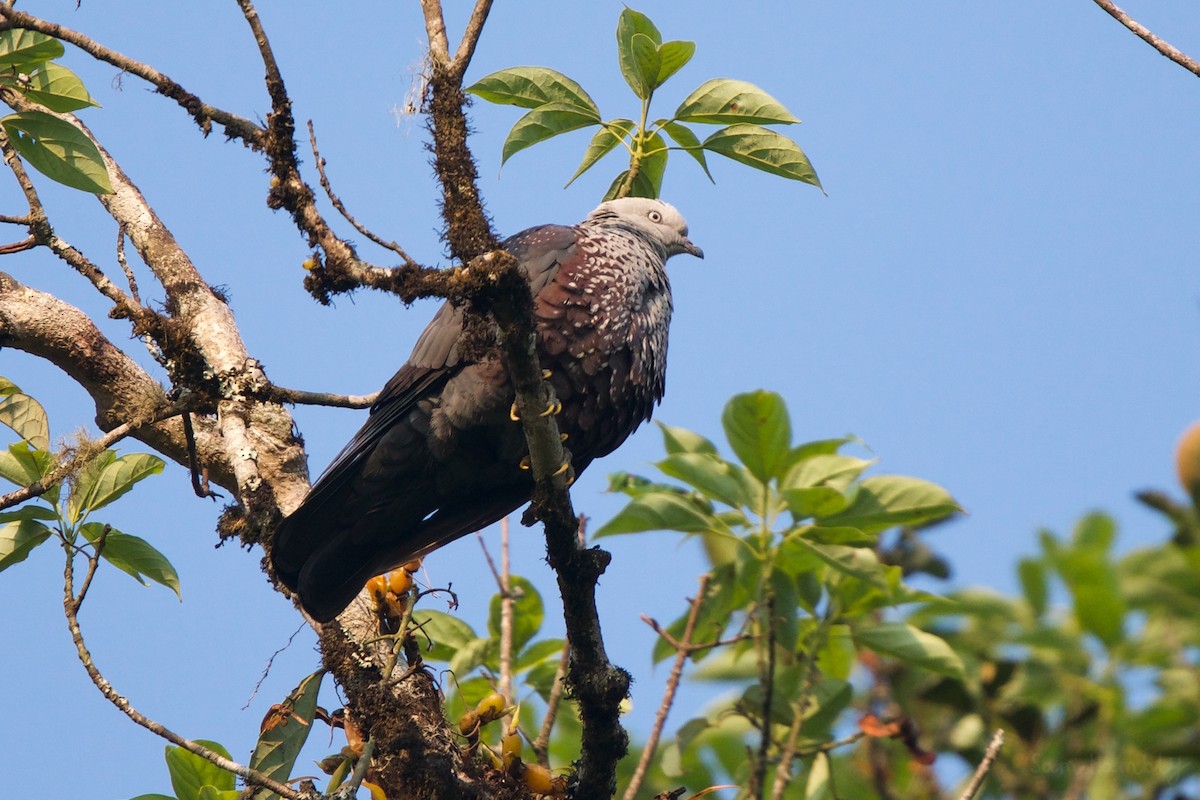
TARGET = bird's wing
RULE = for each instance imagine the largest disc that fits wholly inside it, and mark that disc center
(435, 359)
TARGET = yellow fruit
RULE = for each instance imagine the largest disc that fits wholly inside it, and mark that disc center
(377, 586)
(468, 723)
(541, 781)
(490, 708)
(399, 581)
(510, 748)
(1187, 459)
(414, 565)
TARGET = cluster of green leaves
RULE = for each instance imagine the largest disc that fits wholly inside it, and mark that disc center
(283, 736)
(64, 511)
(51, 144)
(1100, 690)
(796, 589)
(474, 660)
(559, 104)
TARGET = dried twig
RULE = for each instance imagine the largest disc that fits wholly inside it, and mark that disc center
(466, 48)
(71, 604)
(341, 208)
(541, 745)
(683, 649)
(1146, 35)
(235, 127)
(989, 757)
(303, 398)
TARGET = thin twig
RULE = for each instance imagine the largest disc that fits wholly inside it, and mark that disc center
(93, 562)
(341, 208)
(1146, 35)
(766, 678)
(303, 398)
(989, 757)
(541, 745)
(71, 609)
(682, 652)
(507, 604)
(235, 127)
(129, 276)
(466, 48)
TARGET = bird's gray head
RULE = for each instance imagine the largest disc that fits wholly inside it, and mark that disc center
(657, 221)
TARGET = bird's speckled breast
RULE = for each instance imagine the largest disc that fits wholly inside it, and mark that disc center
(602, 323)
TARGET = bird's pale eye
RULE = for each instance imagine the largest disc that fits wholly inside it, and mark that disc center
(655, 216)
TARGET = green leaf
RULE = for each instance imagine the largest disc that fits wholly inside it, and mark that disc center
(642, 187)
(673, 56)
(758, 429)
(106, 478)
(819, 783)
(681, 440)
(30, 511)
(27, 418)
(539, 652)
(22, 47)
(58, 150)
(1092, 579)
(213, 793)
(471, 655)
(1032, 574)
(280, 744)
(660, 511)
(763, 149)
(885, 501)
(528, 612)
(604, 140)
(134, 556)
(545, 122)
(629, 25)
(57, 88)
(190, 772)
(714, 477)
(24, 465)
(815, 501)
(723, 101)
(682, 135)
(646, 63)
(835, 471)
(18, 538)
(857, 562)
(837, 655)
(911, 645)
(155, 797)
(531, 87)
(446, 633)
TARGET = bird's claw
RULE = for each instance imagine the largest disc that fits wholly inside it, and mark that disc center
(513, 414)
(524, 463)
(546, 374)
(553, 409)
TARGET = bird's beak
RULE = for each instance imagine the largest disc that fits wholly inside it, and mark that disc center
(686, 246)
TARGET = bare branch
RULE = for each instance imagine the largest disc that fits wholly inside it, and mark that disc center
(235, 127)
(71, 608)
(541, 745)
(1146, 35)
(989, 757)
(435, 30)
(303, 398)
(466, 48)
(682, 651)
(337, 203)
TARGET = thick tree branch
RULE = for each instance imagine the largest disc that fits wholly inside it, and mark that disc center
(1146, 35)
(205, 115)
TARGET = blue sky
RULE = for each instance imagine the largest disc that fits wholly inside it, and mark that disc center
(999, 294)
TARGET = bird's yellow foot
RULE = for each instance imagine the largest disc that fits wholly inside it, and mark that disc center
(546, 374)
(552, 410)
(513, 414)
(524, 462)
